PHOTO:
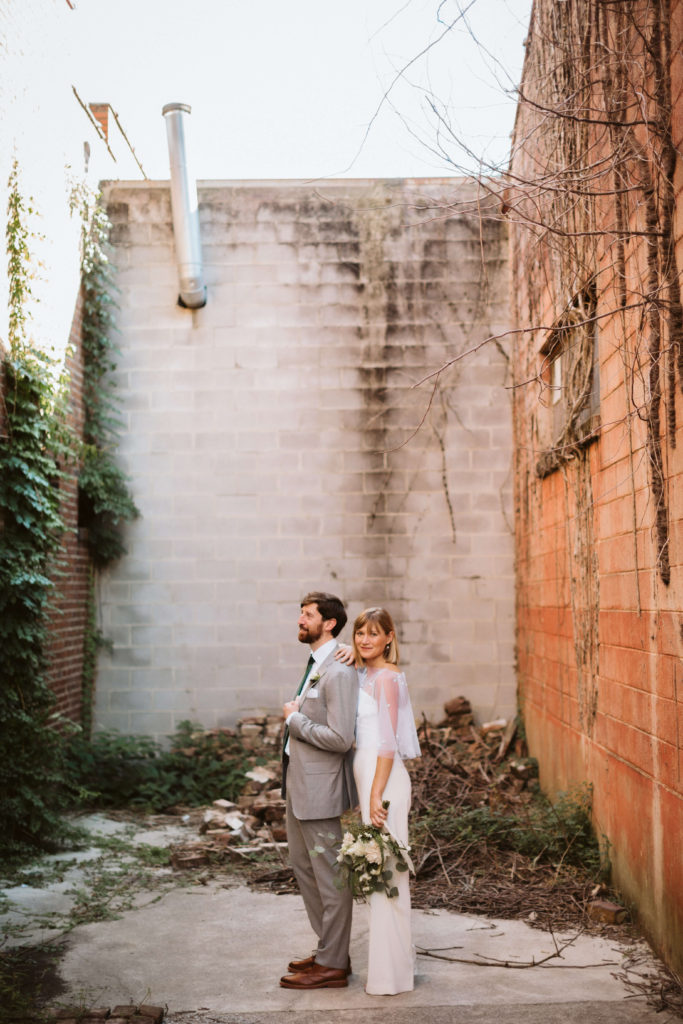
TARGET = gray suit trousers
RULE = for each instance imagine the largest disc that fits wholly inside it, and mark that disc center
(328, 907)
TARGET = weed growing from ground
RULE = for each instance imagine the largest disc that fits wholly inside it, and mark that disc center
(559, 833)
(112, 770)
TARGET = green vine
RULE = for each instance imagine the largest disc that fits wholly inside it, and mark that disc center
(35, 448)
(105, 502)
(34, 444)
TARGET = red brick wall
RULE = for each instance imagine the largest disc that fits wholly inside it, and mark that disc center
(600, 632)
(68, 617)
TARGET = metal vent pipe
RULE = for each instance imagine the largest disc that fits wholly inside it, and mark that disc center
(185, 211)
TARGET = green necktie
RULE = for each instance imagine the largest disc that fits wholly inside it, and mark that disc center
(309, 666)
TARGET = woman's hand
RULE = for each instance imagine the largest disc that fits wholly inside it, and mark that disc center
(345, 655)
(378, 807)
(378, 812)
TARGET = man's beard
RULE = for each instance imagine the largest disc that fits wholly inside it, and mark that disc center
(309, 634)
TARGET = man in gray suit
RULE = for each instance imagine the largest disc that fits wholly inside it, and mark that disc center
(318, 784)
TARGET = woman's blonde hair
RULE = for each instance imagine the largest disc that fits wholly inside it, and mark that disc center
(382, 618)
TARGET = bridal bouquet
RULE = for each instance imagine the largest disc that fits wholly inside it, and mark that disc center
(364, 858)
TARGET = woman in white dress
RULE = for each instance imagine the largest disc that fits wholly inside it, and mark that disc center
(385, 735)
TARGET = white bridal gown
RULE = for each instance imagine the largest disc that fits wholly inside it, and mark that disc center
(386, 727)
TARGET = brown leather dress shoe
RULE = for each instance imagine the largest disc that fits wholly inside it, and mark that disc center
(307, 962)
(316, 976)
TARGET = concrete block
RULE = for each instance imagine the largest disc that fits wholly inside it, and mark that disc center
(143, 636)
(111, 677)
(322, 548)
(119, 721)
(148, 255)
(151, 678)
(176, 660)
(176, 701)
(131, 657)
(262, 274)
(120, 636)
(218, 569)
(271, 549)
(302, 570)
(216, 700)
(129, 700)
(252, 570)
(506, 698)
(193, 634)
(211, 612)
(126, 616)
(488, 674)
(118, 592)
(152, 723)
(339, 315)
(506, 650)
(365, 546)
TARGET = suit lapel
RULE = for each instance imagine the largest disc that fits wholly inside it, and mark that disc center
(319, 672)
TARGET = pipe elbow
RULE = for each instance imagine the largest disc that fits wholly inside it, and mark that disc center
(192, 293)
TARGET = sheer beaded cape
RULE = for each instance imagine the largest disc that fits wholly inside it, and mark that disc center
(384, 691)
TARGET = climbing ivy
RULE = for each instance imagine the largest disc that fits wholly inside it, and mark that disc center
(34, 444)
(35, 448)
(104, 497)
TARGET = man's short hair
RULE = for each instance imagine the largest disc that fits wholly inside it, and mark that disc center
(329, 606)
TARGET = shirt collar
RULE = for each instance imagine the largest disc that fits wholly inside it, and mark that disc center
(321, 653)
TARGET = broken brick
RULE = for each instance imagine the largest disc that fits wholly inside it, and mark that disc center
(606, 911)
(153, 1013)
(251, 729)
(457, 706)
(184, 858)
(143, 1014)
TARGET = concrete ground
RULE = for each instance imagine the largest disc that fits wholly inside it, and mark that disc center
(213, 954)
(224, 949)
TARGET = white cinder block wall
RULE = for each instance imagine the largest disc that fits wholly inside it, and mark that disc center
(276, 443)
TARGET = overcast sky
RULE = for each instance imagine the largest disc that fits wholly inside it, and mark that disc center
(295, 89)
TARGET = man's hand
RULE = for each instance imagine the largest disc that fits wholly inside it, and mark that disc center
(289, 707)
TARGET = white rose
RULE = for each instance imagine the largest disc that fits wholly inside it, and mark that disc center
(373, 852)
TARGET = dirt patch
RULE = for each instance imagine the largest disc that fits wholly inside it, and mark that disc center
(29, 976)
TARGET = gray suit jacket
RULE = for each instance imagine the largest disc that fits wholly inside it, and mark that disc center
(320, 776)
